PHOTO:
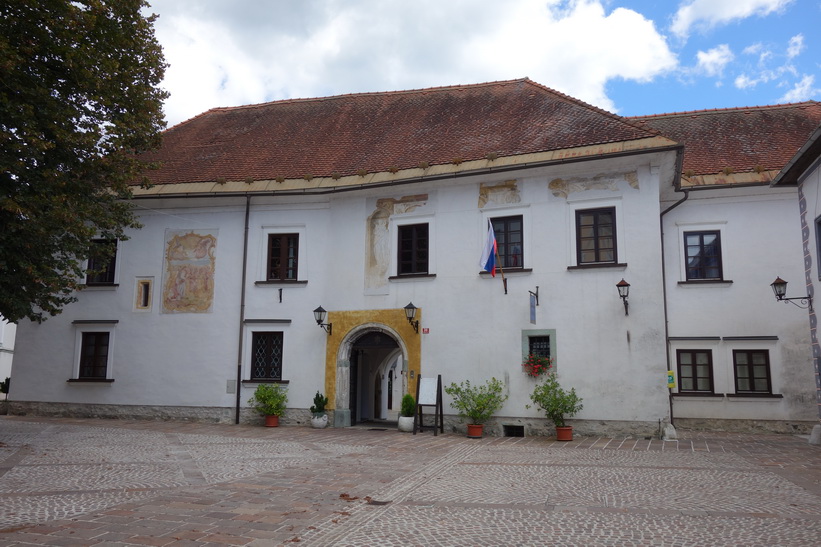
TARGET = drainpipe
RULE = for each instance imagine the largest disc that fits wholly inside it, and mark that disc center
(664, 283)
(242, 306)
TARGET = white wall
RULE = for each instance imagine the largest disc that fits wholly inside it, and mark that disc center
(760, 239)
(616, 362)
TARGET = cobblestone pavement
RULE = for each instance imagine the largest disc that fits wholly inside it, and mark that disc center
(116, 483)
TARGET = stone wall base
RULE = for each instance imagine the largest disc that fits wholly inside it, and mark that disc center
(205, 414)
(792, 427)
(541, 427)
(529, 427)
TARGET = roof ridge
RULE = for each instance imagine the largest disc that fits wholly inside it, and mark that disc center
(368, 94)
(706, 111)
(356, 94)
(623, 119)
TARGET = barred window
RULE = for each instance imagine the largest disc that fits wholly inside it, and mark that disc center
(266, 356)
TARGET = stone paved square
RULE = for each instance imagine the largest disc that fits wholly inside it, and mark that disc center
(122, 483)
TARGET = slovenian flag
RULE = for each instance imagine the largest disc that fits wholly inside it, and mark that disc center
(488, 261)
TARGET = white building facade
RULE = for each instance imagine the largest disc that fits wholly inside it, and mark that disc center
(215, 293)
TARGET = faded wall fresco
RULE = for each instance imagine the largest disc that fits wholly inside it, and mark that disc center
(501, 194)
(378, 244)
(562, 188)
(188, 276)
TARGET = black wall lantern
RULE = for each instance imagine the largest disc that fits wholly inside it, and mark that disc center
(624, 291)
(780, 290)
(319, 315)
(410, 315)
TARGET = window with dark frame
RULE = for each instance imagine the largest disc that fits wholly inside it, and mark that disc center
(539, 346)
(596, 236)
(94, 356)
(266, 356)
(702, 252)
(509, 240)
(102, 262)
(695, 370)
(752, 371)
(283, 254)
(413, 249)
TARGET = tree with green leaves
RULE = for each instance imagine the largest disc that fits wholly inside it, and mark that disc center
(79, 101)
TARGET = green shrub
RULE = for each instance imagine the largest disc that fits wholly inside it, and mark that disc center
(269, 399)
(320, 402)
(477, 403)
(408, 408)
(556, 402)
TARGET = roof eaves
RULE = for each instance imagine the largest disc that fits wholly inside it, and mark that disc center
(328, 184)
(808, 155)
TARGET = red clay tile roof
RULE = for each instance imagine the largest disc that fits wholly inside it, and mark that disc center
(379, 132)
(737, 140)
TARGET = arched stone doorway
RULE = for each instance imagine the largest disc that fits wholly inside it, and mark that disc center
(372, 369)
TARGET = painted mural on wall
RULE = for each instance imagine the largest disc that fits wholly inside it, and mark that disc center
(378, 245)
(188, 277)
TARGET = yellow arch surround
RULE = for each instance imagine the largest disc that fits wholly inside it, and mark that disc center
(344, 322)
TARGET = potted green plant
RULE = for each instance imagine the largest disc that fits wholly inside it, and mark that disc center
(406, 412)
(319, 419)
(557, 404)
(476, 403)
(269, 400)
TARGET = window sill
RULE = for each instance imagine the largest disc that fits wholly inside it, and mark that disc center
(100, 286)
(599, 265)
(275, 283)
(411, 276)
(90, 380)
(254, 382)
(509, 271)
(706, 282)
(755, 396)
(706, 395)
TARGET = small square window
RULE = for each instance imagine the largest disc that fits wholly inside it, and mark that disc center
(539, 346)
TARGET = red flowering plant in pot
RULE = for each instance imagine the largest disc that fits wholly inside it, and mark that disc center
(536, 365)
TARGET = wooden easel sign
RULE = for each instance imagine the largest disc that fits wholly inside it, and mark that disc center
(429, 393)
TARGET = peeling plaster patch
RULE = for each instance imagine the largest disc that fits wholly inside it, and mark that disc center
(506, 192)
(378, 245)
(562, 188)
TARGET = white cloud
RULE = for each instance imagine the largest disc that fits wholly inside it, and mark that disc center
(224, 54)
(706, 14)
(554, 47)
(801, 91)
(713, 61)
(745, 82)
(796, 46)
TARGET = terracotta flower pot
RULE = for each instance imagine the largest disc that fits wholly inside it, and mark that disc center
(475, 431)
(271, 421)
(564, 433)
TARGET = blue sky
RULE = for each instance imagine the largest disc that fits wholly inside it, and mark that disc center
(631, 57)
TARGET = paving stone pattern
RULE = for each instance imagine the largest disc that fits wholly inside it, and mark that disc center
(121, 483)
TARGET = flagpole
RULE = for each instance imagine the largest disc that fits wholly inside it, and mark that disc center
(501, 270)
